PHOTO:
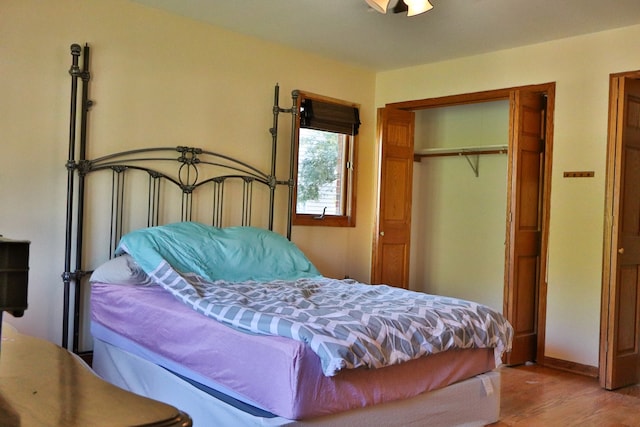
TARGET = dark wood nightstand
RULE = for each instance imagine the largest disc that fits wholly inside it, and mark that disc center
(41, 384)
(14, 276)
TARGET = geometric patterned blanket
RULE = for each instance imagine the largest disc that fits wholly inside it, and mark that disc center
(346, 323)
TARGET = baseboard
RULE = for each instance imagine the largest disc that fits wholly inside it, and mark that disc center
(565, 365)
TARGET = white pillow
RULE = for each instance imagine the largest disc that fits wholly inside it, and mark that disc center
(121, 270)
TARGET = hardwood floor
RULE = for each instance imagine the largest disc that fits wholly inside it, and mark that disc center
(537, 396)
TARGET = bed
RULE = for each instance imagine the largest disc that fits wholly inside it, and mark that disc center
(235, 326)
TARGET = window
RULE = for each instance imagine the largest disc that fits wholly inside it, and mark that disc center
(325, 135)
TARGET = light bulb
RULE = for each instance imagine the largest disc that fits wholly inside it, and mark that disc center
(416, 7)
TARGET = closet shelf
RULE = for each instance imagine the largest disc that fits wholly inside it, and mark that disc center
(475, 152)
(461, 151)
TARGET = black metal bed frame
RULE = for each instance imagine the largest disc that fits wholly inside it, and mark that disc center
(191, 164)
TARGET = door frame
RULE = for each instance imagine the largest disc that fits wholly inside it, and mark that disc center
(547, 89)
(607, 313)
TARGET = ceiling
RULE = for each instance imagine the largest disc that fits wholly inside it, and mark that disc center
(349, 31)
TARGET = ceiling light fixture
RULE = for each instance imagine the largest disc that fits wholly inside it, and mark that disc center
(412, 7)
(378, 5)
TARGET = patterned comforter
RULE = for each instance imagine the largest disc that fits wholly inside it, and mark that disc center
(347, 324)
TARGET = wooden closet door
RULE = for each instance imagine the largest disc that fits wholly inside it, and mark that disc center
(621, 295)
(391, 242)
(526, 173)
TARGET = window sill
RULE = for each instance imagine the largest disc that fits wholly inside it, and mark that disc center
(326, 221)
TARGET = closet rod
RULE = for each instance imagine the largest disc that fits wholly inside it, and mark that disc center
(475, 152)
(437, 152)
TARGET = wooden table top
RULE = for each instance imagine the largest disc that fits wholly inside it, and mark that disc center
(42, 384)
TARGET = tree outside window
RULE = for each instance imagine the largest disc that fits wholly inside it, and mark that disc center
(320, 172)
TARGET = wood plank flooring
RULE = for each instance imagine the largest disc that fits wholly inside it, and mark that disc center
(537, 396)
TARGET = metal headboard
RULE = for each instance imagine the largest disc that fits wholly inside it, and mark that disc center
(172, 174)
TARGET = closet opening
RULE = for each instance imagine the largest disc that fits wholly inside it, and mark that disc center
(472, 221)
(459, 201)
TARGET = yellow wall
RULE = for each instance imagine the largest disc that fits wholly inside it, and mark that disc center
(157, 80)
(581, 67)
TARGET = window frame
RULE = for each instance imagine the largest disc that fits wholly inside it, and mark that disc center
(348, 219)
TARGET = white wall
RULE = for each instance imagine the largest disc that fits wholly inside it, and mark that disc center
(459, 218)
(581, 67)
(157, 80)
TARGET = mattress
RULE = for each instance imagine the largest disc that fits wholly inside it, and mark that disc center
(278, 376)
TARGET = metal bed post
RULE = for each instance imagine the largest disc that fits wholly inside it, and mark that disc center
(85, 105)
(72, 276)
(274, 150)
(74, 71)
(274, 134)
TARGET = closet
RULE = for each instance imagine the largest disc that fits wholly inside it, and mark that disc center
(473, 209)
(460, 201)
